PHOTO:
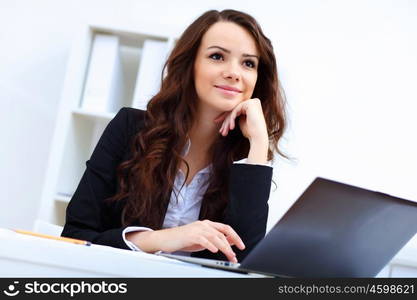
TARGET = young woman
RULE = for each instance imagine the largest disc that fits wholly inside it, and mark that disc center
(190, 175)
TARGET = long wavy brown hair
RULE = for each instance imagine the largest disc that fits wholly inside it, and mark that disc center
(146, 180)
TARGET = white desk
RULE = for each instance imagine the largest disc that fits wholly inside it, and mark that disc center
(28, 256)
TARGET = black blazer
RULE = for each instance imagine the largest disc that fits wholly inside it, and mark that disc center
(89, 218)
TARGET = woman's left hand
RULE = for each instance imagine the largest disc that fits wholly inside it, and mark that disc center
(251, 122)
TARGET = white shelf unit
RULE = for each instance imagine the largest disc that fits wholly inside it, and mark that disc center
(78, 130)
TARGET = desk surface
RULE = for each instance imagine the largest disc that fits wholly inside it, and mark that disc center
(28, 256)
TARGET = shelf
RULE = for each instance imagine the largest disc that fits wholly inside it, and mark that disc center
(128, 37)
(83, 133)
(90, 114)
(139, 58)
(65, 198)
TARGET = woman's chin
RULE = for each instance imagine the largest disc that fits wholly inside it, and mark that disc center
(227, 105)
(222, 105)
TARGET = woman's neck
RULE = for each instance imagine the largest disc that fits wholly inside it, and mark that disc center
(204, 132)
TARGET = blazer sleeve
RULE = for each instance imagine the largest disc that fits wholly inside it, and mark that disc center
(247, 209)
(88, 216)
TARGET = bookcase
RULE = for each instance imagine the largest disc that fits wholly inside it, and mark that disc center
(108, 68)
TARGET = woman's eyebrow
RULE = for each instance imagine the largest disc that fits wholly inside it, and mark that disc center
(228, 51)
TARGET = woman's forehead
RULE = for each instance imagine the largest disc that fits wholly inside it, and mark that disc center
(230, 36)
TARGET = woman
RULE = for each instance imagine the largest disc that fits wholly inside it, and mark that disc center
(191, 173)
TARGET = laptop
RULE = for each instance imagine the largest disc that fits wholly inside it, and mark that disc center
(332, 230)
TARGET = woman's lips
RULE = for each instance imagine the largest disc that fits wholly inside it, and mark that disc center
(227, 92)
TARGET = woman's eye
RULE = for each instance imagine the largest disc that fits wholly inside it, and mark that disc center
(250, 64)
(216, 56)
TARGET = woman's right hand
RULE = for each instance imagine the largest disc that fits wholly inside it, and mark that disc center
(196, 236)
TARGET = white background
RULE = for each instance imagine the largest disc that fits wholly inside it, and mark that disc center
(349, 69)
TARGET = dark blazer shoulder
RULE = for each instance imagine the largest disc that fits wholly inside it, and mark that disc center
(139, 113)
(128, 121)
(135, 118)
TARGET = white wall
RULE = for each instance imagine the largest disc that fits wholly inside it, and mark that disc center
(348, 67)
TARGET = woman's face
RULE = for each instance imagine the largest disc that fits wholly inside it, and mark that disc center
(225, 68)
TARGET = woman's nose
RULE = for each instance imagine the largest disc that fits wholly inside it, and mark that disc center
(231, 73)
